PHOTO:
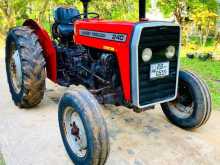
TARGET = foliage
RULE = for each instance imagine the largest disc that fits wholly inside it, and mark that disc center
(14, 12)
(199, 13)
(178, 8)
(10, 11)
(211, 74)
(2, 161)
(205, 22)
(182, 9)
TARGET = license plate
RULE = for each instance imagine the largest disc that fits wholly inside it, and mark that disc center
(159, 70)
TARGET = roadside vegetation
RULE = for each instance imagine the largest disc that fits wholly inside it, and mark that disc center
(2, 162)
(208, 71)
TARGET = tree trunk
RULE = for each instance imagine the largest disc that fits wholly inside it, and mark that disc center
(44, 9)
(8, 16)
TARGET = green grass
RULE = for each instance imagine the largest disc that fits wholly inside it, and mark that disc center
(208, 71)
(2, 162)
(196, 40)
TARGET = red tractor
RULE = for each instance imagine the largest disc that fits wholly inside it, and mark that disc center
(133, 64)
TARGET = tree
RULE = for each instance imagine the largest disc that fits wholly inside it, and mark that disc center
(200, 13)
(11, 11)
(205, 22)
(178, 8)
(182, 9)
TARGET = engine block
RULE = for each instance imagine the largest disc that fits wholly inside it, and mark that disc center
(92, 68)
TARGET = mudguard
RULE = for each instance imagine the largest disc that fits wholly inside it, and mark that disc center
(48, 48)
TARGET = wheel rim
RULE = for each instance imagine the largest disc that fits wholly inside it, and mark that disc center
(15, 70)
(184, 104)
(75, 132)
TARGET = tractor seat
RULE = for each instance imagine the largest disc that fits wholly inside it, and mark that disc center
(64, 19)
(65, 30)
(63, 15)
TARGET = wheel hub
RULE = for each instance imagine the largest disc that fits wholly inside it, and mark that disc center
(183, 105)
(16, 71)
(75, 132)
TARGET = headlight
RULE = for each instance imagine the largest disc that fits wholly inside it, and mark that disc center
(170, 52)
(147, 54)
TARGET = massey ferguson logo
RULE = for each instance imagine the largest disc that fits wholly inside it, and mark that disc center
(103, 35)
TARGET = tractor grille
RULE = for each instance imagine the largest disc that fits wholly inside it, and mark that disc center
(158, 39)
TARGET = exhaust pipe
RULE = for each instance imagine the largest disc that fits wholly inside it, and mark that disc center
(142, 9)
(85, 7)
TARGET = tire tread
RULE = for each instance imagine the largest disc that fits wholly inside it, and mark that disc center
(33, 67)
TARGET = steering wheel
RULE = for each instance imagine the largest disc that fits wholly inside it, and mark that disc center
(96, 15)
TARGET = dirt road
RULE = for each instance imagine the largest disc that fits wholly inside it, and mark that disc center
(31, 137)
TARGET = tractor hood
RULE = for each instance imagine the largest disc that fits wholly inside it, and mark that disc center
(102, 33)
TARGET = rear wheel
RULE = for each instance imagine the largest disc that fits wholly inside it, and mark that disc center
(83, 128)
(192, 107)
(25, 67)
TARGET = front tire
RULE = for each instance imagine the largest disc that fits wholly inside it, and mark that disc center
(192, 107)
(83, 129)
(25, 67)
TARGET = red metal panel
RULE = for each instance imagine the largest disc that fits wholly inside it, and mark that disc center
(121, 49)
(48, 48)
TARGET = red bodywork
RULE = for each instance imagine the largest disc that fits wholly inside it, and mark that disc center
(120, 49)
(48, 48)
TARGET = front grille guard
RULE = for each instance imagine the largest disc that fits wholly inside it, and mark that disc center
(134, 63)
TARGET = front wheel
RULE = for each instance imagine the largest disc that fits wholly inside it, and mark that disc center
(83, 128)
(192, 107)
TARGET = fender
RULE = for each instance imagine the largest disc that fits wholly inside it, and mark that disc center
(48, 48)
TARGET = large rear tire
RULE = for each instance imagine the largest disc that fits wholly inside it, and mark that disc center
(83, 128)
(192, 107)
(25, 67)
